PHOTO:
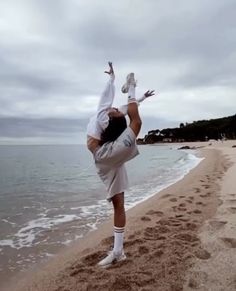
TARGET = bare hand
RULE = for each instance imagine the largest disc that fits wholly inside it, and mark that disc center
(111, 71)
(149, 93)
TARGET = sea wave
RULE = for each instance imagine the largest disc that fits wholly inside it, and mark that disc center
(27, 234)
(97, 211)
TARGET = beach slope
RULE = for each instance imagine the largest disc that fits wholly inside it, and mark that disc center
(183, 238)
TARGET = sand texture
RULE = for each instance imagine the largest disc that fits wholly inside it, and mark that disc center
(218, 238)
(184, 238)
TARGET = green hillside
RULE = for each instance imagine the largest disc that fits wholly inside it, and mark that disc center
(201, 130)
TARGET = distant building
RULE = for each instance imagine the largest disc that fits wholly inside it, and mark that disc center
(167, 139)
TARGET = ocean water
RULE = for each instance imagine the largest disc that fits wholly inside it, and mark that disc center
(51, 196)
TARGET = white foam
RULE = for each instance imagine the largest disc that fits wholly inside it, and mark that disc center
(7, 242)
(95, 214)
(182, 167)
(102, 209)
(7, 221)
(27, 234)
(49, 255)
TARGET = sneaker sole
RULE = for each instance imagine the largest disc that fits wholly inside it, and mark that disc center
(114, 262)
(124, 89)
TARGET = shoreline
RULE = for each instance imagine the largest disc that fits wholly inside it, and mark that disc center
(157, 231)
(180, 168)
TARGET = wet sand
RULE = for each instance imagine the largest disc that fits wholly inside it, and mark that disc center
(183, 238)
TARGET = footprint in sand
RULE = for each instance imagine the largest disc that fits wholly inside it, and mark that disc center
(155, 255)
(166, 196)
(93, 259)
(173, 200)
(202, 254)
(133, 242)
(153, 212)
(132, 236)
(232, 210)
(152, 233)
(197, 279)
(177, 220)
(231, 201)
(107, 240)
(199, 203)
(230, 242)
(182, 205)
(197, 211)
(182, 209)
(158, 253)
(217, 224)
(176, 224)
(197, 190)
(163, 229)
(184, 219)
(76, 268)
(181, 196)
(191, 226)
(185, 236)
(143, 250)
(179, 215)
(145, 218)
(174, 208)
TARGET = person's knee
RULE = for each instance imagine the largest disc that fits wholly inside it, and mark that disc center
(118, 201)
(118, 205)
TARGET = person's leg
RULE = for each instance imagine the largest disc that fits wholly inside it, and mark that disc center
(119, 210)
(117, 254)
(133, 113)
(119, 222)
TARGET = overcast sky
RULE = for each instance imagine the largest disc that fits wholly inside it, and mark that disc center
(53, 54)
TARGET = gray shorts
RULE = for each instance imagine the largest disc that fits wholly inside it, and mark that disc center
(110, 159)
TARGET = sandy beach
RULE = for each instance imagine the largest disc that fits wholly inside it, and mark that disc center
(183, 238)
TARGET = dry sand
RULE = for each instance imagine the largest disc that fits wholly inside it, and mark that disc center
(217, 270)
(184, 238)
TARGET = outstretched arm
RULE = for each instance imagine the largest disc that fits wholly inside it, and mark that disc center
(111, 70)
(106, 99)
(147, 94)
(124, 108)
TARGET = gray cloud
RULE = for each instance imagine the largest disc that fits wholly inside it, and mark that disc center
(25, 127)
(52, 55)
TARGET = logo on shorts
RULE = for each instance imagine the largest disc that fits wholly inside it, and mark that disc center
(127, 142)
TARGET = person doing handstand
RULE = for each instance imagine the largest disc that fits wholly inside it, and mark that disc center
(112, 144)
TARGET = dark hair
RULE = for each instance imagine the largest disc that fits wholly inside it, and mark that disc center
(115, 128)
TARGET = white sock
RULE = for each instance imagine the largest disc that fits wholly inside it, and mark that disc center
(131, 94)
(118, 239)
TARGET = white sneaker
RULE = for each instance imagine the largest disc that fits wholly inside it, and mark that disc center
(129, 81)
(112, 257)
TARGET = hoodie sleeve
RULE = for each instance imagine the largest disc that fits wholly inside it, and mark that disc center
(124, 108)
(106, 101)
